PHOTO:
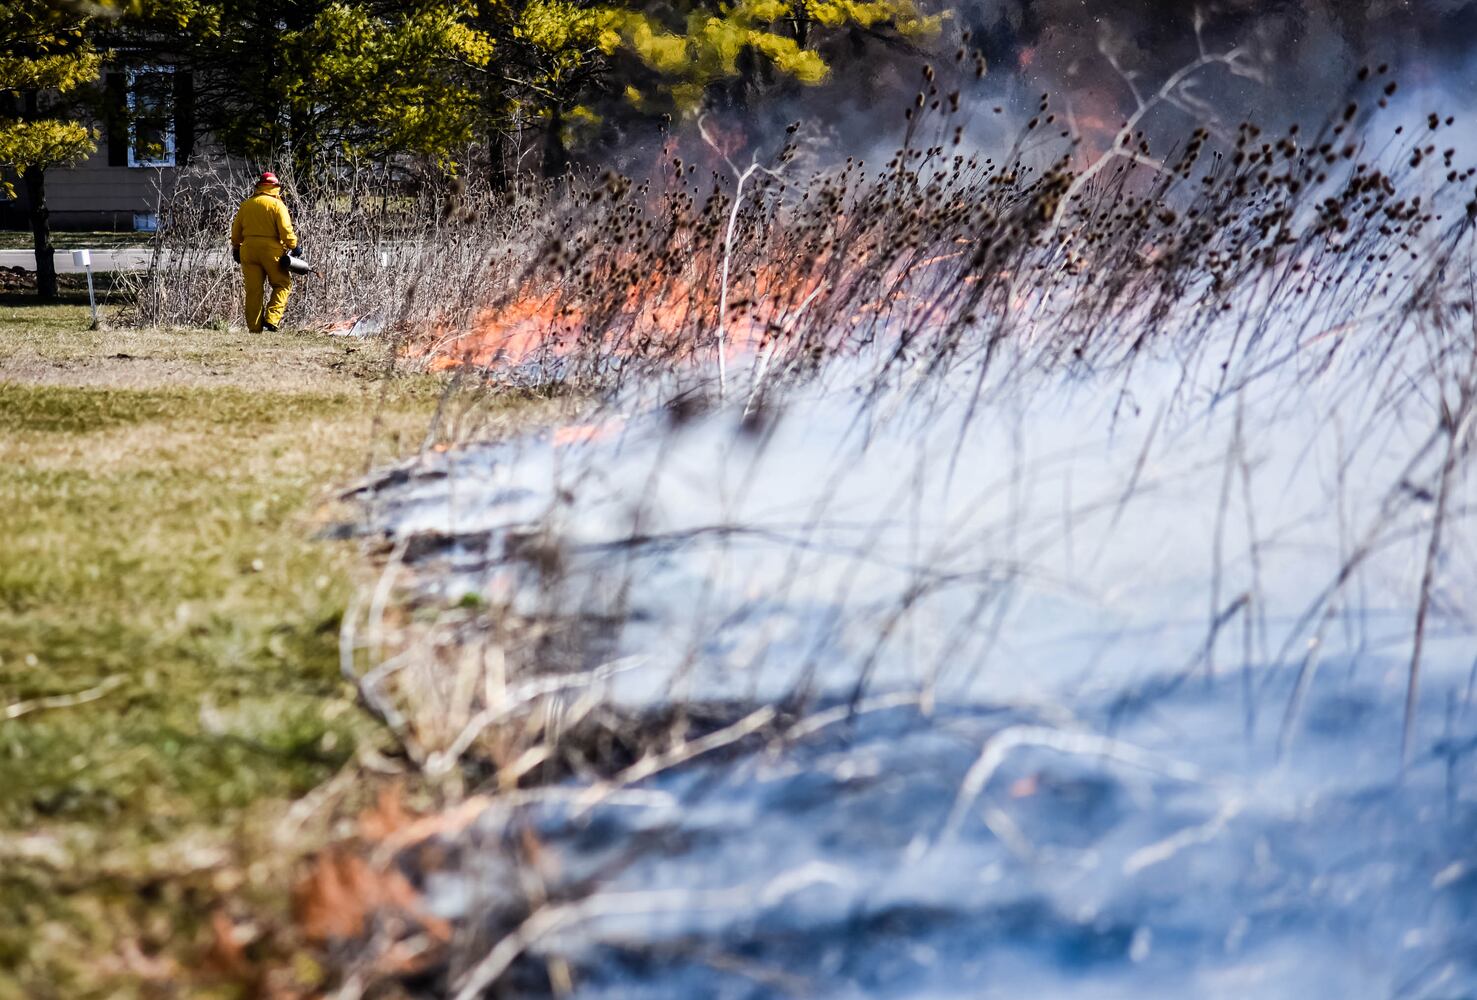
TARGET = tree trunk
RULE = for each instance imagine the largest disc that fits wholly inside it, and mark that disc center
(35, 181)
(34, 178)
(303, 153)
(497, 160)
(556, 157)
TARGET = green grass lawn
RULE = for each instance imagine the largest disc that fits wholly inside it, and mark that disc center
(15, 239)
(168, 623)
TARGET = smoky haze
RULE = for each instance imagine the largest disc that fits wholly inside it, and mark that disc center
(1097, 58)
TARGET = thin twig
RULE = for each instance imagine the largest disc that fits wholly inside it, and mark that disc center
(680, 754)
(999, 746)
(1232, 60)
(20, 708)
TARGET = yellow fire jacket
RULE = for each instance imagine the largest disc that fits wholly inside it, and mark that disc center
(263, 216)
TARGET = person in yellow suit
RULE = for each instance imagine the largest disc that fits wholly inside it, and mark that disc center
(260, 235)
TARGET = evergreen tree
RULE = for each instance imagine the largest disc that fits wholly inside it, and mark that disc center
(48, 56)
(310, 80)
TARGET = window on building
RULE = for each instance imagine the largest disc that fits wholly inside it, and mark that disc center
(151, 136)
(149, 116)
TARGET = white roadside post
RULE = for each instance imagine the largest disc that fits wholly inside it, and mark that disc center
(83, 259)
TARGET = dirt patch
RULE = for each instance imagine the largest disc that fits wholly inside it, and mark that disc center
(131, 371)
(150, 359)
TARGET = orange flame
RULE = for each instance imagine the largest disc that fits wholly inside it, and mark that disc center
(661, 315)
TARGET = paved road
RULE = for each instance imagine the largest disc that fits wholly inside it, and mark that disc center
(102, 260)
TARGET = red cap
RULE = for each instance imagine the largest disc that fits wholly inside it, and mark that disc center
(268, 177)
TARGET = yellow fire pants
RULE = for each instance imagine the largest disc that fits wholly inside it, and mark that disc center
(259, 262)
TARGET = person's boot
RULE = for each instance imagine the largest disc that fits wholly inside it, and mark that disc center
(269, 327)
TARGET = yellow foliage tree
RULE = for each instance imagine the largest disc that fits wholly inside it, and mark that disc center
(785, 33)
(378, 79)
(46, 55)
(668, 63)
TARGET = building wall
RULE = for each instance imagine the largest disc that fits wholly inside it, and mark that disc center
(93, 194)
(103, 191)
